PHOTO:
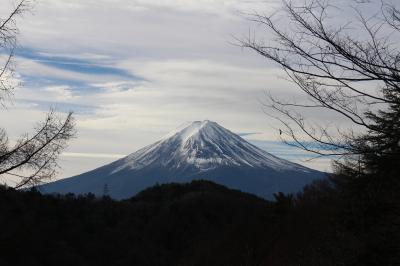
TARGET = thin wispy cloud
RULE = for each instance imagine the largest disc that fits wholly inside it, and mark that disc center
(134, 70)
(74, 64)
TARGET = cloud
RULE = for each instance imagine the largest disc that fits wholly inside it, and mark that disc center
(35, 64)
(92, 155)
(215, 7)
(296, 155)
(134, 70)
(163, 29)
(61, 92)
(248, 134)
(116, 86)
(96, 65)
(31, 68)
(198, 87)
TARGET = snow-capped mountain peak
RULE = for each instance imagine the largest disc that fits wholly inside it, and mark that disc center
(198, 150)
(204, 145)
(188, 130)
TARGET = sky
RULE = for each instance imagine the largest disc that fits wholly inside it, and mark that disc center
(133, 70)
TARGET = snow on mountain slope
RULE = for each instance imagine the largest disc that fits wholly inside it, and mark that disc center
(205, 145)
(200, 150)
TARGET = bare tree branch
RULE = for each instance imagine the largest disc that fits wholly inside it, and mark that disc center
(33, 158)
(8, 43)
(355, 77)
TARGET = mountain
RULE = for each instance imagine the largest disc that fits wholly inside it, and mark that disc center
(200, 150)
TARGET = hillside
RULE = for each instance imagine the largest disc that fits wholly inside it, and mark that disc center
(200, 223)
(199, 150)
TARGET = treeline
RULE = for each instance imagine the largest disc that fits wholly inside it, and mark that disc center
(333, 222)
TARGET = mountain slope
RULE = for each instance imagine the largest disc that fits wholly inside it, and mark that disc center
(200, 150)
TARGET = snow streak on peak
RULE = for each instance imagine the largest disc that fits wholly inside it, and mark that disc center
(204, 145)
(188, 130)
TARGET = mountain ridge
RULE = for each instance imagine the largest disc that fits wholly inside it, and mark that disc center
(200, 150)
(205, 143)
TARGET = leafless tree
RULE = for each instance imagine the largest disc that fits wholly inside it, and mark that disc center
(33, 157)
(350, 67)
(8, 43)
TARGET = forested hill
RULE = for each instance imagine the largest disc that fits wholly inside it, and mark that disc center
(200, 223)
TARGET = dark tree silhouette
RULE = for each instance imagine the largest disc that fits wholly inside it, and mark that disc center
(351, 68)
(33, 157)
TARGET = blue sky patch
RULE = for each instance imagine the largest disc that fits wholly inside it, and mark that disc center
(75, 64)
(62, 107)
(79, 87)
